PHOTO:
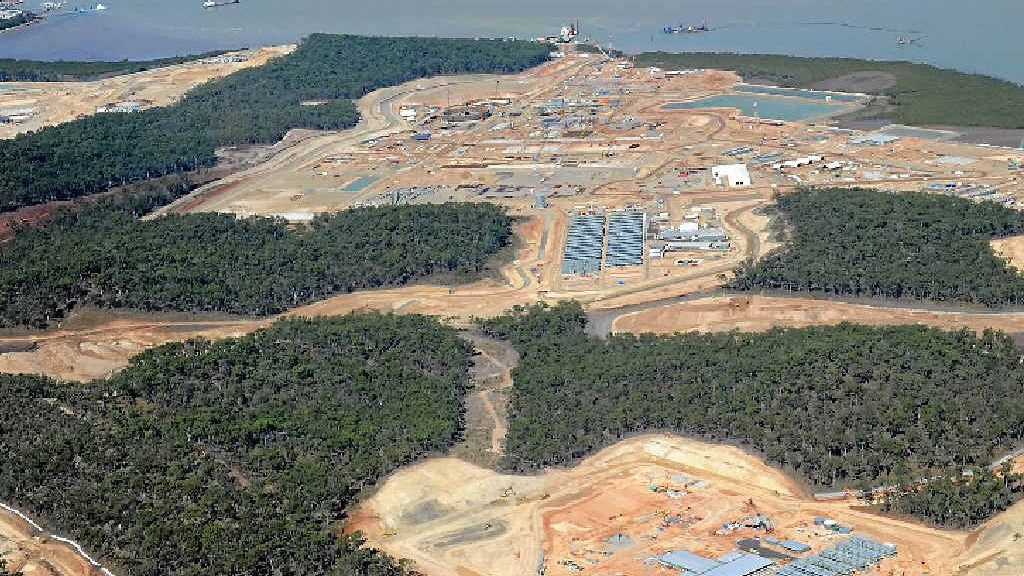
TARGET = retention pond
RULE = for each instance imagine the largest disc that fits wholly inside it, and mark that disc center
(772, 103)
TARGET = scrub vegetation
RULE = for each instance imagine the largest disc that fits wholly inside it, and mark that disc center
(103, 255)
(240, 456)
(910, 245)
(252, 106)
(844, 406)
(922, 95)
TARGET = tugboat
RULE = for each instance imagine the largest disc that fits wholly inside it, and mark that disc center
(215, 4)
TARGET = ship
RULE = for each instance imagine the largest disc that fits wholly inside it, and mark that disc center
(215, 4)
(691, 29)
(95, 8)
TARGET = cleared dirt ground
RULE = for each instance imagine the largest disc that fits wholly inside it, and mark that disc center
(456, 519)
(997, 549)
(1012, 249)
(34, 555)
(759, 313)
(83, 355)
(58, 102)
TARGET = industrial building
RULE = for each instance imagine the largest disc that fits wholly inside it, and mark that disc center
(584, 244)
(687, 234)
(16, 116)
(466, 113)
(626, 238)
(732, 175)
(848, 557)
(732, 564)
(791, 545)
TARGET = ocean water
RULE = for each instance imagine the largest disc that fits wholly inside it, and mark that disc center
(981, 36)
(768, 107)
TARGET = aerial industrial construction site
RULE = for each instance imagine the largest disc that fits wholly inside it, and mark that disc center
(637, 191)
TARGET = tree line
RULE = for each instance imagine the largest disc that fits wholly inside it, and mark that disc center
(908, 245)
(105, 256)
(253, 106)
(960, 501)
(16, 70)
(237, 457)
(843, 406)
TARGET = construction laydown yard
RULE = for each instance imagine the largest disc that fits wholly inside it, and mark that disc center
(635, 153)
(632, 503)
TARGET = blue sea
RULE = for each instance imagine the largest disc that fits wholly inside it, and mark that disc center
(980, 36)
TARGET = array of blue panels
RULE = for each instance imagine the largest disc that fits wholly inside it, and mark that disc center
(583, 245)
(626, 239)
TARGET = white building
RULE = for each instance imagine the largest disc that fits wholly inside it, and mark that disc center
(733, 175)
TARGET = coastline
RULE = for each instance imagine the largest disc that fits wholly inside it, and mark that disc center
(36, 19)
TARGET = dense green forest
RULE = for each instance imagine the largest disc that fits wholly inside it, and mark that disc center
(955, 500)
(842, 406)
(103, 255)
(256, 105)
(12, 70)
(906, 245)
(239, 457)
(922, 95)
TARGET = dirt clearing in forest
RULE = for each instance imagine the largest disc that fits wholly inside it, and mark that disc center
(759, 313)
(637, 499)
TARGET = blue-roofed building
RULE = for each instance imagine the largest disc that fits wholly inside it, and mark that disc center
(794, 546)
(732, 564)
(739, 564)
(688, 561)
